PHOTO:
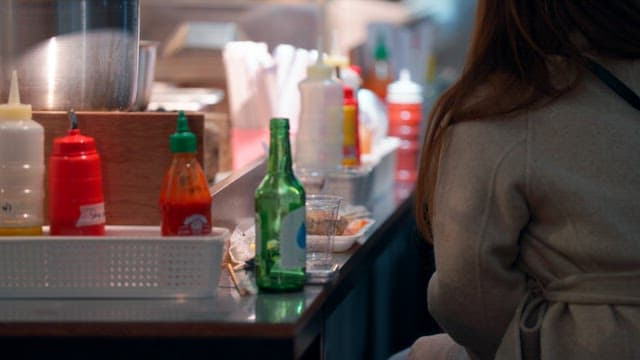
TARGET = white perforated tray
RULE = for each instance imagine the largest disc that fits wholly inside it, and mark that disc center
(128, 262)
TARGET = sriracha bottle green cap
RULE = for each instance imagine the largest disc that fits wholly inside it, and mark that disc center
(183, 140)
(381, 53)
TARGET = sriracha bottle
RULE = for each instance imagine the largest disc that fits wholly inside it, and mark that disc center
(185, 200)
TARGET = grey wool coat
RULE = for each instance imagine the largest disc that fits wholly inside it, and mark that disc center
(537, 232)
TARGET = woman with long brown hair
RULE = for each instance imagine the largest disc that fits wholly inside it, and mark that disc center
(529, 186)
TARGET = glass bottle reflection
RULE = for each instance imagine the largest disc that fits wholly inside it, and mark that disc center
(279, 308)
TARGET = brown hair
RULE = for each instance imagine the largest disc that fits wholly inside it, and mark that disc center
(524, 53)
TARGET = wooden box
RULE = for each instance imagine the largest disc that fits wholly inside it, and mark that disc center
(134, 149)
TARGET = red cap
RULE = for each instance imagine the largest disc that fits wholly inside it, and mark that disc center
(349, 99)
(357, 69)
(74, 144)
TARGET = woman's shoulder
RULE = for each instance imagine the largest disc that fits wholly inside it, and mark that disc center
(497, 130)
(627, 70)
(485, 142)
(588, 98)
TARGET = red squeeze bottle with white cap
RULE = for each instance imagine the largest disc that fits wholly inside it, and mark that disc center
(404, 106)
(76, 200)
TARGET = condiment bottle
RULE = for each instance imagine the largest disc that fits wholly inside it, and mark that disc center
(351, 77)
(76, 199)
(185, 200)
(351, 142)
(21, 168)
(320, 131)
(280, 218)
(336, 58)
(404, 106)
(380, 76)
(366, 129)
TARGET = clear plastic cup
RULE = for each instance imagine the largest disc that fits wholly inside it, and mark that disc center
(321, 222)
(312, 180)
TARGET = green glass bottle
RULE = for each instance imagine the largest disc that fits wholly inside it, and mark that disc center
(280, 218)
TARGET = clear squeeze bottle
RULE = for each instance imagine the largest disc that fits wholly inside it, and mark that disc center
(21, 168)
(280, 218)
(76, 199)
(320, 132)
(185, 200)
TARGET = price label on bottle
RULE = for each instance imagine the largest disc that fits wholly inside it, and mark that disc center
(293, 240)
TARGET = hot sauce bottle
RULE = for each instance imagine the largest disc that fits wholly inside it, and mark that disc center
(185, 200)
(76, 199)
(381, 75)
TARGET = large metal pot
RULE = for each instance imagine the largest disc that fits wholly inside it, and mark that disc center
(80, 54)
(146, 72)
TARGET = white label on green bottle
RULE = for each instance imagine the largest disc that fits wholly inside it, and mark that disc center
(293, 239)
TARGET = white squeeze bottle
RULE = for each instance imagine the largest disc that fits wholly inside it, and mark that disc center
(320, 131)
(21, 168)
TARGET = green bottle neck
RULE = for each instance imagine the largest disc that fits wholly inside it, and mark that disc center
(279, 152)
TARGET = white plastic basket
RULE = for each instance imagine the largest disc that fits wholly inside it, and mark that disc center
(128, 262)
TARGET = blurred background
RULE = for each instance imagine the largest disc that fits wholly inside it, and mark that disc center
(192, 33)
(427, 37)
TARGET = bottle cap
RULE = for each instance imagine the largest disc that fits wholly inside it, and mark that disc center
(336, 58)
(352, 78)
(74, 143)
(349, 99)
(404, 91)
(381, 53)
(319, 71)
(183, 140)
(13, 110)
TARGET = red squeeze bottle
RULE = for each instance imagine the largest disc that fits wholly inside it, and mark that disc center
(76, 200)
(404, 107)
(185, 200)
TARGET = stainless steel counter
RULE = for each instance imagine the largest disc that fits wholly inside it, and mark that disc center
(292, 325)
